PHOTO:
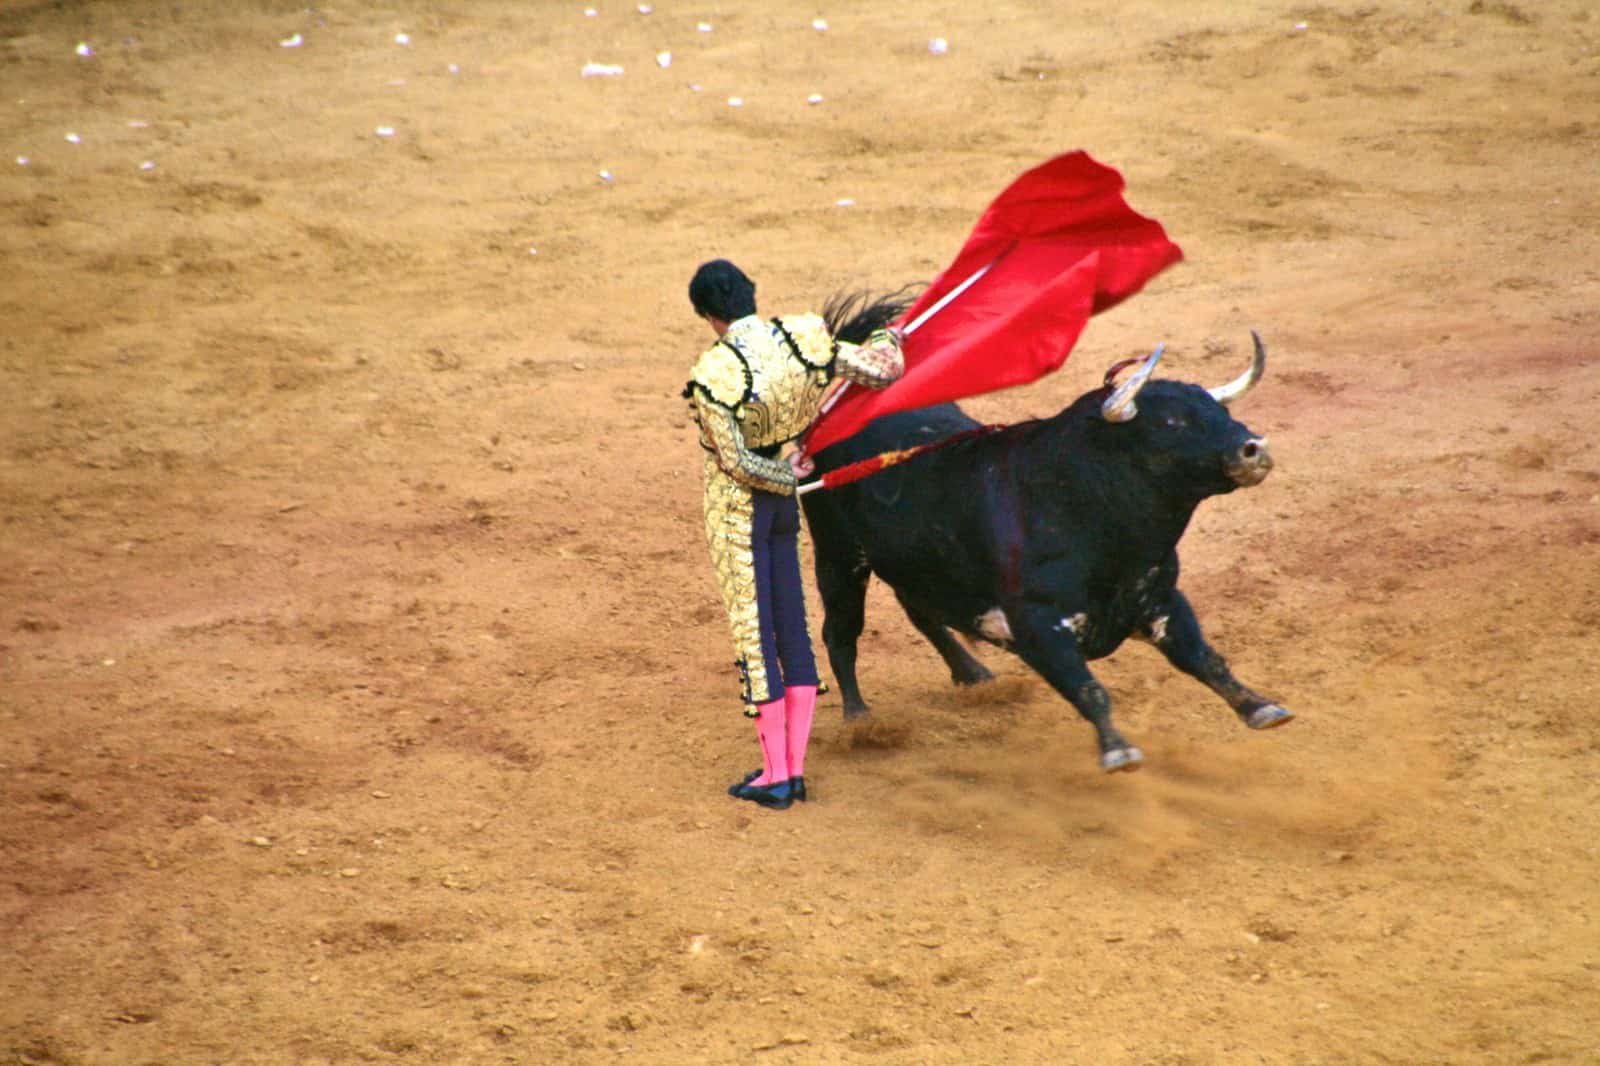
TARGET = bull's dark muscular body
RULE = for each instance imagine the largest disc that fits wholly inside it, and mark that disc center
(1056, 539)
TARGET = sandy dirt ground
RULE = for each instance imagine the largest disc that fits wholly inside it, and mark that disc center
(364, 693)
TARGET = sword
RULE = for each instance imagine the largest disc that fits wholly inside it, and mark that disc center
(951, 295)
(833, 397)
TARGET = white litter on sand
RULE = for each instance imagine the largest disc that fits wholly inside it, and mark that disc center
(938, 46)
(292, 42)
(601, 70)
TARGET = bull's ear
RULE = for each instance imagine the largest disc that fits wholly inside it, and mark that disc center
(1119, 406)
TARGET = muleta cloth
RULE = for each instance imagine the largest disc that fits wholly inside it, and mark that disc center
(1057, 246)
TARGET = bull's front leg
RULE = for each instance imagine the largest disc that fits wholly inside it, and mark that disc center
(1176, 631)
(1053, 652)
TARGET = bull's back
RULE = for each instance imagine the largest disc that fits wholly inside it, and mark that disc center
(904, 429)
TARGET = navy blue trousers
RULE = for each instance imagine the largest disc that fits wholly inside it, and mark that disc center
(780, 598)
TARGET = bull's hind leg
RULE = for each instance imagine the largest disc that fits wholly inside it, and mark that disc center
(842, 585)
(1058, 661)
(1176, 631)
(964, 668)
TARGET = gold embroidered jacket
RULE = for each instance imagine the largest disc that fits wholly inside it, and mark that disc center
(761, 385)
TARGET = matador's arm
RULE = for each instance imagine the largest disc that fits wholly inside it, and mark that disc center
(721, 430)
(873, 364)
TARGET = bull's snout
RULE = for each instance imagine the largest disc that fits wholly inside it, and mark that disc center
(1251, 464)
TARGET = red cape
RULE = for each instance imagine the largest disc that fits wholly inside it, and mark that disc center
(1063, 245)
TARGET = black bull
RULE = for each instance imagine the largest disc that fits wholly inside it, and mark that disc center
(1055, 539)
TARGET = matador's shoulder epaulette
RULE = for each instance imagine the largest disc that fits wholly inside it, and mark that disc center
(722, 374)
(808, 336)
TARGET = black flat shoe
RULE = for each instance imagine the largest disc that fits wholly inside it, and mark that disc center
(776, 797)
(797, 788)
(739, 786)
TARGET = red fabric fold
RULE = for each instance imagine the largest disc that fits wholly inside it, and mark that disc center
(1061, 244)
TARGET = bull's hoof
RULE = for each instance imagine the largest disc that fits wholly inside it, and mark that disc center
(1119, 759)
(1268, 717)
(853, 712)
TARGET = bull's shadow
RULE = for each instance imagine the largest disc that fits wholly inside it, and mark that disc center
(1055, 539)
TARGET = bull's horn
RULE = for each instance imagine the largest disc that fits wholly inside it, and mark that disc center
(1119, 406)
(1226, 394)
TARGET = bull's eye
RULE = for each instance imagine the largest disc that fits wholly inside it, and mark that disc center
(1174, 421)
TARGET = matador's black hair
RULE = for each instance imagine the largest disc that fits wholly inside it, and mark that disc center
(720, 290)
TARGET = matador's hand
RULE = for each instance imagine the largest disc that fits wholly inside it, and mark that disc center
(801, 464)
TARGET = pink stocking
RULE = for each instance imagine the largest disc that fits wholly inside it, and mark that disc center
(802, 702)
(772, 731)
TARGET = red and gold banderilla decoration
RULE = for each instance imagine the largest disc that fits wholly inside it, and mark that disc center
(855, 471)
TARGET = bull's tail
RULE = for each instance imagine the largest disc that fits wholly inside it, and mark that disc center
(854, 316)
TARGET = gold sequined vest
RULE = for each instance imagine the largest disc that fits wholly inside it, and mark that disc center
(771, 373)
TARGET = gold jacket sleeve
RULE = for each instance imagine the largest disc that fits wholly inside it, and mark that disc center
(873, 364)
(721, 430)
